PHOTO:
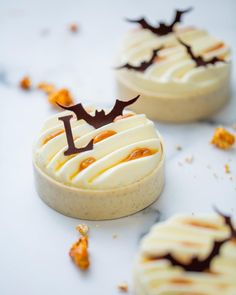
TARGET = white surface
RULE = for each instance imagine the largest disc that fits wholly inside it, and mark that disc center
(35, 240)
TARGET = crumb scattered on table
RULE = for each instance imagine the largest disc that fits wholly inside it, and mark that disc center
(178, 147)
(189, 159)
(73, 28)
(82, 229)
(123, 287)
(222, 138)
(25, 83)
(114, 236)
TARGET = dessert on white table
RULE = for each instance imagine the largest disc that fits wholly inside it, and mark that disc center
(182, 73)
(188, 255)
(106, 165)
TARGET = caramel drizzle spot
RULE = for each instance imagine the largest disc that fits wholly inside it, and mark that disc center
(181, 281)
(202, 225)
(214, 47)
(53, 135)
(120, 117)
(103, 135)
(138, 153)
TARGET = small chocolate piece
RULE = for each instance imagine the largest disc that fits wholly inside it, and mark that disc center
(162, 28)
(100, 118)
(72, 149)
(199, 61)
(144, 64)
(197, 265)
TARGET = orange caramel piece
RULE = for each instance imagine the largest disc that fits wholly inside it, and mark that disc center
(61, 96)
(85, 163)
(25, 83)
(223, 139)
(103, 135)
(214, 47)
(52, 135)
(79, 253)
(46, 87)
(139, 153)
(120, 117)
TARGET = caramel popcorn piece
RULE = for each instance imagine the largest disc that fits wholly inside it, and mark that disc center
(73, 28)
(46, 87)
(82, 229)
(123, 287)
(79, 253)
(61, 96)
(25, 83)
(222, 138)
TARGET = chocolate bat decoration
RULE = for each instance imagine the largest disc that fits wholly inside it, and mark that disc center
(100, 118)
(197, 265)
(72, 149)
(199, 61)
(162, 28)
(144, 64)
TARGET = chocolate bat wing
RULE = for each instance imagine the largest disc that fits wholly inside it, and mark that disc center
(198, 59)
(179, 14)
(78, 110)
(100, 118)
(144, 64)
(129, 67)
(143, 23)
(162, 29)
(119, 107)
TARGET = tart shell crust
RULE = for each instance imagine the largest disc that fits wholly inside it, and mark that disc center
(199, 105)
(100, 204)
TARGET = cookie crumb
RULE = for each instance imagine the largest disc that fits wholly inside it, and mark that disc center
(83, 229)
(25, 83)
(123, 287)
(114, 236)
(222, 138)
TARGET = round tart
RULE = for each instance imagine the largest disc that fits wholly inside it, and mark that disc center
(188, 255)
(119, 172)
(182, 74)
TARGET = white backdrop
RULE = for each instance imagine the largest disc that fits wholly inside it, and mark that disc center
(34, 40)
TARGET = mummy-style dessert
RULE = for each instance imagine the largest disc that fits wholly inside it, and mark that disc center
(97, 165)
(182, 73)
(188, 255)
